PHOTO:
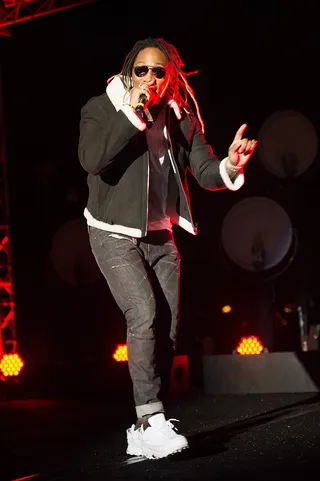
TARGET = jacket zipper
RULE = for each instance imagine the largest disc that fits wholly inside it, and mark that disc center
(177, 174)
(148, 185)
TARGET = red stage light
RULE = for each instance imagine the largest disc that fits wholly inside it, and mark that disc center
(11, 365)
(120, 354)
(249, 346)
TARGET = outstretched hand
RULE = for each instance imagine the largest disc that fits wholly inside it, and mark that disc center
(241, 149)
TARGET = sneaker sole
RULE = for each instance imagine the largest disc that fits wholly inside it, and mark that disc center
(138, 452)
(134, 451)
(149, 455)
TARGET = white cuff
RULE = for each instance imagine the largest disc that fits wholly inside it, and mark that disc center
(151, 408)
(134, 118)
(231, 184)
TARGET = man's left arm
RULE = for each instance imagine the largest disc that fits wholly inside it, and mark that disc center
(213, 174)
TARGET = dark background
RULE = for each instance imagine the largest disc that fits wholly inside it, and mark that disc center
(252, 63)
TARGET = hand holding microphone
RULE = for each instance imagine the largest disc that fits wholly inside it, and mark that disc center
(141, 104)
(139, 98)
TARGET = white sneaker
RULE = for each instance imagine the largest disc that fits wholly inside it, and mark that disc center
(158, 440)
(134, 443)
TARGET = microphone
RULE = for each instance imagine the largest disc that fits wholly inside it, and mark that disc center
(141, 103)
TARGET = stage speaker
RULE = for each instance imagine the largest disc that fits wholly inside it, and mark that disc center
(258, 238)
(288, 144)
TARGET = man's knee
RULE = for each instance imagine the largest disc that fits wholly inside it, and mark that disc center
(141, 320)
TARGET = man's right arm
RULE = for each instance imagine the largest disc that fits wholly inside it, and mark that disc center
(104, 135)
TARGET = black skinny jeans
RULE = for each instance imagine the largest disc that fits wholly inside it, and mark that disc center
(144, 278)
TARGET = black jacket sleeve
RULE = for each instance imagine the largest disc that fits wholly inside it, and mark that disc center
(209, 171)
(104, 132)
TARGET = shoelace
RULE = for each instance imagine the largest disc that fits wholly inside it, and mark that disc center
(170, 425)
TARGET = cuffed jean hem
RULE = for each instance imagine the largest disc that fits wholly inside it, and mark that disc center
(147, 409)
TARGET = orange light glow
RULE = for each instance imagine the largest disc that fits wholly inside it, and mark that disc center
(120, 354)
(249, 346)
(226, 309)
(11, 365)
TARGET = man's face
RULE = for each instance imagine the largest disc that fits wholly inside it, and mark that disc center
(150, 68)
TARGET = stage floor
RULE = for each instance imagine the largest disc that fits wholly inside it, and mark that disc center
(251, 436)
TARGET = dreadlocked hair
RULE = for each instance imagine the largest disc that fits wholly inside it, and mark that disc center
(178, 87)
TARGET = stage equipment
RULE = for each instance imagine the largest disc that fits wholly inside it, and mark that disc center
(287, 144)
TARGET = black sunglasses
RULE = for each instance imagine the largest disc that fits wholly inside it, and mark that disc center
(142, 71)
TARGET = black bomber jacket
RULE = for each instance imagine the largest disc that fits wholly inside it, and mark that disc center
(113, 150)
